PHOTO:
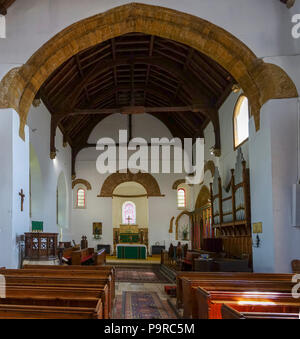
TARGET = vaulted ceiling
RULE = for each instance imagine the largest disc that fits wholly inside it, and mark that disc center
(131, 74)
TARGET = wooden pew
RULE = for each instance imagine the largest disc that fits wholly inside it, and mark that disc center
(223, 275)
(76, 268)
(82, 256)
(190, 286)
(100, 257)
(67, 252)
(210, 302)
(52, 279)
(48, 312)
(229, 312)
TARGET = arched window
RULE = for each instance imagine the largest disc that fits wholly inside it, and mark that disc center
(129, 213)
(241, 121)
(181, 198)
(80, 198)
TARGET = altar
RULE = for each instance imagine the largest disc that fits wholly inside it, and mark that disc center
(130, 241)
(130, 251)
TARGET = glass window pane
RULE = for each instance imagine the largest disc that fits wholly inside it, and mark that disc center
(80, 198)
(181, 198)
(241, 121)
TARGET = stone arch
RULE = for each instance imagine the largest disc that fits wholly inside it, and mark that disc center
(203, 197)
(177, 183)
(145, 179)
(260, 81)
(83, 182)
(178, 218)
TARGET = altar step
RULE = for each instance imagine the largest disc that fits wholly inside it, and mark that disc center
(168, 273)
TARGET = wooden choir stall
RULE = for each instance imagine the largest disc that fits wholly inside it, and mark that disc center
(41, 245)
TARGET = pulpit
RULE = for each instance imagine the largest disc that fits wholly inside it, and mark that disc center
(41, 245)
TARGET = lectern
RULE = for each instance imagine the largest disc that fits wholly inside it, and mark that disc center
(41, 245)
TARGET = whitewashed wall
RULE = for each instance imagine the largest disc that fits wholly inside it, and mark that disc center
(39, 135)
(228, 155)
(14, 172)
(161, 209)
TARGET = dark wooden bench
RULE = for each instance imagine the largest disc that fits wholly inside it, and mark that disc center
(258, 284)
(49, 312)
(210, 302)
(98, 281)
(229, 312)
(81, 257)
(109, 269)
(223, 275)
(100, 257)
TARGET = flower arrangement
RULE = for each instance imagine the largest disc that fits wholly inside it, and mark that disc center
(185, 232)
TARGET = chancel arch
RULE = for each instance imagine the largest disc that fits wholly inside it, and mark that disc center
(146, 180)
(260, 81)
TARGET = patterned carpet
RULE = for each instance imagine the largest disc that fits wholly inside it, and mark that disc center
(142, 305)
(140, 275)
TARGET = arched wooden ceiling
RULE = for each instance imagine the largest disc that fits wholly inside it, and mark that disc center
(136, 73)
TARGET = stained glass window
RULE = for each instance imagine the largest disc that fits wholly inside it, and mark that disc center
(81, 198)
(181, 198)
(129, 213)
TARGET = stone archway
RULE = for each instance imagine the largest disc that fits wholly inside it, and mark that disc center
(203, 197)
(260, 81)
(189, 214)
(145, 179)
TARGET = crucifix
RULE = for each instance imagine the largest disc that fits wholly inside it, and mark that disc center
(22, 195)
(128, 220)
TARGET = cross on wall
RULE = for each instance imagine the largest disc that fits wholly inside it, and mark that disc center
(22, 195)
